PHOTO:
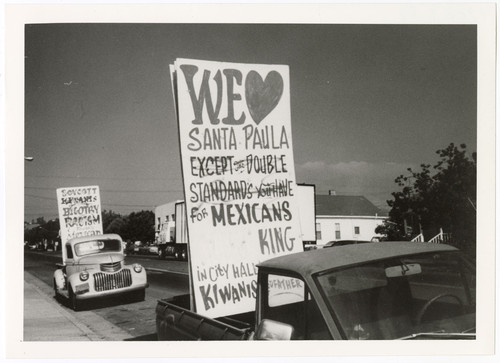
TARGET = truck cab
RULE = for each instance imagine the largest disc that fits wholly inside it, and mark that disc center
(371, 291)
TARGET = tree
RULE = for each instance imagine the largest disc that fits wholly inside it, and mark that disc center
(117, 225)
(139, 226)
(46, 230)
(107, 218)
(135, 226)
(52, 225)
(443, 196)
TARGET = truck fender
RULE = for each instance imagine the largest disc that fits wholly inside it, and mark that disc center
(59, 280)
(73, 280)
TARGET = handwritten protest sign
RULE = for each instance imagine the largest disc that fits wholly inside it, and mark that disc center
(79, 212)
(239, 176)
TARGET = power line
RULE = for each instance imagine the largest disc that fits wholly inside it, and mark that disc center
(48, 215)
(118, 205)
(117, 191)
(39, 196)
(129, 205)
(38, 210)
(122, 205)
(90, 177)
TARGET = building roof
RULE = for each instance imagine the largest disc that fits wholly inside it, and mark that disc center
(346, 205)
(310, 262)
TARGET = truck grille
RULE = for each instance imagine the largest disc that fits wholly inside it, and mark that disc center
(111, 267)
(105, 282)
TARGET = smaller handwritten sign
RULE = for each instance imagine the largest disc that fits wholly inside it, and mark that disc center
(284, 290)
(79, 212)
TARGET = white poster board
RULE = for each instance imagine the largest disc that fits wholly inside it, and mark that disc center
(239, 177)
(306, 194)
(79, 212)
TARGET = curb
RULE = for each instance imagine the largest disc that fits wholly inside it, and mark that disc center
(95, 329)
(165, 271)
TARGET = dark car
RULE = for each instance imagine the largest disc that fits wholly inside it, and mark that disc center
(344, 243)
(31, 246)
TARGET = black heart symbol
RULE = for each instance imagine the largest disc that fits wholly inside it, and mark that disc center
(262, 96)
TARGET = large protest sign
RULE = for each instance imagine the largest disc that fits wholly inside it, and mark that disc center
(79, 212)
(239, 176)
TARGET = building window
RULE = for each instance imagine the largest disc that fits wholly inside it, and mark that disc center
(337, 231)
(318, 231)
(356, 230)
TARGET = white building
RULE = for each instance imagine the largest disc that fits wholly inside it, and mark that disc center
(342, 217)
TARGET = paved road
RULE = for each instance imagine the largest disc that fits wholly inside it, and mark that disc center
(134, 318)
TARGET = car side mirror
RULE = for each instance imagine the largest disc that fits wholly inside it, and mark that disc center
(273, 330)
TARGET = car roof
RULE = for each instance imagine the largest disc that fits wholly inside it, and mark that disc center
(310, 262)
(108, 236)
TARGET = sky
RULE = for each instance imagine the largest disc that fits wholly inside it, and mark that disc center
(367, 102)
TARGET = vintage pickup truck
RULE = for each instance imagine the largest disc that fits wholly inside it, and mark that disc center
(93, 267)
(381, 291)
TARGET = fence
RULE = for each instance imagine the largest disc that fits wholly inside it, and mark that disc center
(441, 237)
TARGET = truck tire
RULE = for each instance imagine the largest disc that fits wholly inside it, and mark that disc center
(139, 295)
(56, 295)
(177, 255)
(184, 255)
(73, 301)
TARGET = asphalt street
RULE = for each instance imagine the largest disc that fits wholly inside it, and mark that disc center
(49, 319)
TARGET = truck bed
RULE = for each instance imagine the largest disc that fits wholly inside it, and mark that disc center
(174, 321)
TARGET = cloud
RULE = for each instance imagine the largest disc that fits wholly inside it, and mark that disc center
(354, 170)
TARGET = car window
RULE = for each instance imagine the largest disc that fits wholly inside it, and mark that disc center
(69, 251)
(97, 246)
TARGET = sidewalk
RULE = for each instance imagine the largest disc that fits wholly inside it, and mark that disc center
(46, 320)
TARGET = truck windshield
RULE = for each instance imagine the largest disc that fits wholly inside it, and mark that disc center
(98, 246)
(403, 297)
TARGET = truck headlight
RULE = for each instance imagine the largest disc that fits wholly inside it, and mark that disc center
(137, 268)
(84, 275)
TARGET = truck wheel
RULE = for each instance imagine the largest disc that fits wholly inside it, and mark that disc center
(184, 255)
(75, 304)
(140, 295)
(56, 295)
(177, 255)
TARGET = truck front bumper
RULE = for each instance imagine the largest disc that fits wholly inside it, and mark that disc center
(101, 284)
(83, 293)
